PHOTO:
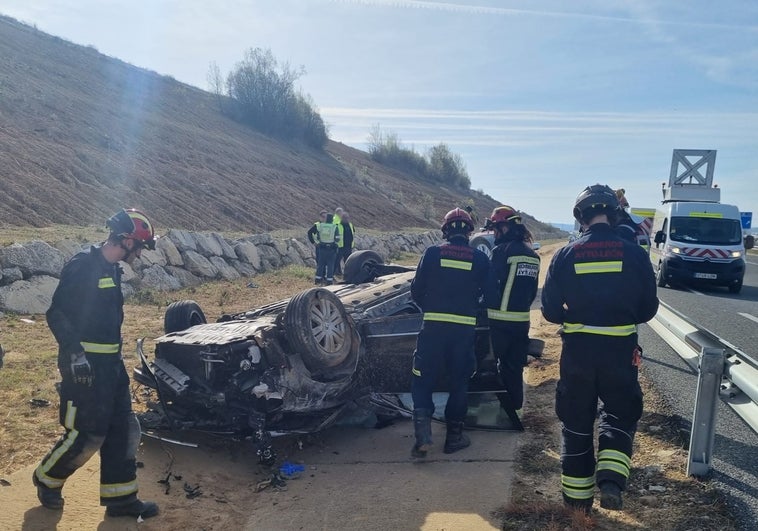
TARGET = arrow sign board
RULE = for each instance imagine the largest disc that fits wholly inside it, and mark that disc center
(747, 219)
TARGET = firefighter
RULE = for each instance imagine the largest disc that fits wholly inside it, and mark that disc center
(626, 227)
(515, 268)
(85, 317)
(450, 279)
(599, 288)
(327, 237)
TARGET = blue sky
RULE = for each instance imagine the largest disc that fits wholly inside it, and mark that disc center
(540, 98)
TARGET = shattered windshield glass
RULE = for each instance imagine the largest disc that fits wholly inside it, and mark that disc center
(711, 231)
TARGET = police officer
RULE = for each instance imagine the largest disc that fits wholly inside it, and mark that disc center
(327, 237)
(85, 317)
(599, 288)
(346, 242)
(313, 231)
(515, 268)
(449, 281)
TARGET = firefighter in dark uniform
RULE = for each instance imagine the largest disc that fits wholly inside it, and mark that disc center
(85, 317)
(326, 237)
(450, 279)
(627, 227)
(599, 288)
(515, 268)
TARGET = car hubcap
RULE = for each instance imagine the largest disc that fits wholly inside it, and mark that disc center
(327, 326)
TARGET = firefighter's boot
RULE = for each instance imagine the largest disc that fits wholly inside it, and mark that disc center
(610, 496)
(456, 439)
(422, 427)
(50, 498)
(136, 508)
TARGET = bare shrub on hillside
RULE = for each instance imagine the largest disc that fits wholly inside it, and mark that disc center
(441, 165)
(265, 98)
(448, 167)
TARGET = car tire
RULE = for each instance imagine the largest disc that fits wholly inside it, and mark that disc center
(318, 328)
(358, 266)
(181, 315)
(735, 288)
(660, 276)
(483, 244)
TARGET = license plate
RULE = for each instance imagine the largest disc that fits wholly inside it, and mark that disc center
(709, 276)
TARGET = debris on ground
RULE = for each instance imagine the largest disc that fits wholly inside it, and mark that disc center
(276, 482)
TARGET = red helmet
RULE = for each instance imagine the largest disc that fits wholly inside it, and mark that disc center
(132, 223)
(457, 220)
(504, 214)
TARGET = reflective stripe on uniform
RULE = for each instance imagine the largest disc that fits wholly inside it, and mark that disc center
(598, 267)
(614, 461)
(114, 490)
(456, 264)
(68, 441)
(106, 282)
(513, 262)
(450, 318)
(101, 348)
(621, 330)
(578, 488)
(416, 372)
(507, 316)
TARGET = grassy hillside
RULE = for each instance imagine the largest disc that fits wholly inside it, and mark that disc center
(82, 134)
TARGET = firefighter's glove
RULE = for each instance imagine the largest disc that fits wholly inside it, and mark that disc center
(81, 370)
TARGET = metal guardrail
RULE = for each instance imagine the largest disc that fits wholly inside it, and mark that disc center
(723, 370)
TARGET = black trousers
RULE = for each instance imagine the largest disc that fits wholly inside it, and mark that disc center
(510, 344)
(325, 264)
(595, 367)
(99, 417)
(449, 346)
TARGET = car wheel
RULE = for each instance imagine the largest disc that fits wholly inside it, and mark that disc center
(483, 244)
(660, 276)
(181, 315)
(358, 266)
(318, 328)
(735, 288)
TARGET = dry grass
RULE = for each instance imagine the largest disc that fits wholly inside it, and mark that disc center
(30, 371)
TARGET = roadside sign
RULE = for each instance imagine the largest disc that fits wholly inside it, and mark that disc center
(747, 219)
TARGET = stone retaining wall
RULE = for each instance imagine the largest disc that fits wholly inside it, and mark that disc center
(29, 272)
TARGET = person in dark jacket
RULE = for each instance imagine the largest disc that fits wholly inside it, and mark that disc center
(515, 268)
(450, 279)
(346, 243)
(85, 317)
(599, 288)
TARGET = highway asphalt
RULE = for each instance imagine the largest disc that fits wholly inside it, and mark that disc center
(734, 318)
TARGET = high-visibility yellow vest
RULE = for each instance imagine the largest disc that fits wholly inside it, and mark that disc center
(326, 232)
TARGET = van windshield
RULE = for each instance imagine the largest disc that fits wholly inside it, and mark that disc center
(707, 231)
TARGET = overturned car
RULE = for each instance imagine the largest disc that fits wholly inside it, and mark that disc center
(292, 366)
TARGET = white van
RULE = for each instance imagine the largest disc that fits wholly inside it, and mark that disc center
(699, 242)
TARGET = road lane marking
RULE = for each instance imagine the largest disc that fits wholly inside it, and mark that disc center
(751, 263)
(748, 316)
(695, 291)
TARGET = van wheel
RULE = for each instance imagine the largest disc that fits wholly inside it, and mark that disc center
(735, 288)
(660, 277)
